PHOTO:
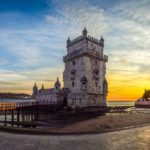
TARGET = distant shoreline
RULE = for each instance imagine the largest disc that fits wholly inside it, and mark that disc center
(121, 100)
(15, 96)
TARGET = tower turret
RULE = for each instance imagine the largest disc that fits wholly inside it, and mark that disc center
(68, 42)
(101, 41)
(34, 91)
(57, 84)
(84, 32)
(42, 88)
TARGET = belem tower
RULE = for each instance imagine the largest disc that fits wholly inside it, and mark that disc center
(85, 84)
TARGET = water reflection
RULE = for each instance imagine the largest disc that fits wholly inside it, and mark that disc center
(138, 110)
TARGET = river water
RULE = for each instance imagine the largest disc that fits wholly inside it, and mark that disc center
(131, 139)
(109, 103)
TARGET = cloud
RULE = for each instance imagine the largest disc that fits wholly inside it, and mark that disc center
(127, 43)
(9, 83)
(3, 61)
(30, 47)
(32, 50)
(92, 17)
(24, 80)
(35, 50)
(135, 9)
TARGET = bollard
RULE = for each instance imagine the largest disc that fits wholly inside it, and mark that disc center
(18, 116)
(5, 121)
(12, 117)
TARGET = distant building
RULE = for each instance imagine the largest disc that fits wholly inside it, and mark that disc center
(85, 84)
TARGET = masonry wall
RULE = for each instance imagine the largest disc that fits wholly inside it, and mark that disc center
(50, 97)
(90, 67)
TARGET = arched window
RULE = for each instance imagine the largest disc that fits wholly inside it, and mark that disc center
(83, 83)
(73, 84)
(80, 101)
(95, 62)
(73, 62)
(96, 84)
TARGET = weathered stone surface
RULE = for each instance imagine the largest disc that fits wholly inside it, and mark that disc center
(132, 139)
(84, 75)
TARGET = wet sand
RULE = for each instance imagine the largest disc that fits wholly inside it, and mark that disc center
(110, 121)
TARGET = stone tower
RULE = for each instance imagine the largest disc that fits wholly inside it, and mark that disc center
(34, 91)
(84, 74)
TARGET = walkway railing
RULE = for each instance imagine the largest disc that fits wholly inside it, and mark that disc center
(15, 105)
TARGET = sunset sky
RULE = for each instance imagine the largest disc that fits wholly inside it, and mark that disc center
(33, 37)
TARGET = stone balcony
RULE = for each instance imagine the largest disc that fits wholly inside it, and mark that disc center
(81, 52)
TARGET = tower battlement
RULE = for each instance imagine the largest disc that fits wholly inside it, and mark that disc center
(87, 37)
(81, 52)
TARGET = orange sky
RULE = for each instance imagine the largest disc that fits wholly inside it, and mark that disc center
(116, 89)
(122, 85)
(126, 88)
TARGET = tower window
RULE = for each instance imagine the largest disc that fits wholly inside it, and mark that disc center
(96, 84)
(73, 72)
(95, 62)
(80, 101)
(72, 84)
(73, 62)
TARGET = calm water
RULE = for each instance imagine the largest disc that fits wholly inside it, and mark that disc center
(120, 103)
(14, 100)
(114, 103)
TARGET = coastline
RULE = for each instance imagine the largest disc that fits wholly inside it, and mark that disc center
(102, 124)
(27, 131)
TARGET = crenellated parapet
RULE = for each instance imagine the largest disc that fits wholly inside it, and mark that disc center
(76, 40)
(81, 52)
(87, 37)
(92, 39)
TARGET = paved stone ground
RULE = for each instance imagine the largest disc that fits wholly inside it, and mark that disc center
(132, 139)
